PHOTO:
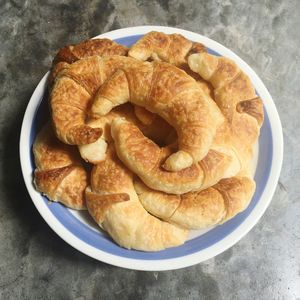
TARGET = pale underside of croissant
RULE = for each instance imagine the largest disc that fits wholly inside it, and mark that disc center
(114, 204)
(168, 91)
(72, 93)
(172, 48)
(59, 173)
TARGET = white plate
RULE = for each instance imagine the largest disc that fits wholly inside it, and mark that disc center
(77, 228)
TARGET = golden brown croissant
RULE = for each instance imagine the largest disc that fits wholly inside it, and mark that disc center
(59, 173)
(72, 93)
(144, 158)
(234, 94)
(113, 203)
(197, 210)
(229, 196)
(172, 94)
(172, 48)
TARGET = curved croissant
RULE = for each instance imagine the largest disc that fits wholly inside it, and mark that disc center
(144, 158)
(233, 93)
(59, 173)
(72, 93)
(114, 205)
(172, 48)
(231, 195)
(197, 210)
(172, 94)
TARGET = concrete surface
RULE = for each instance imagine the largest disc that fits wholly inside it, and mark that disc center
(36, 264)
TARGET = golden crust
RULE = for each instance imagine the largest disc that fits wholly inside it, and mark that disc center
(172, 48)
(197, 210)
(168, 91)
(203, 194)
(145, 158)
(71, 95)
(234, 92)
(235, 95)
(158, 131)
(125, 220)
(100, 47)
(59, 173)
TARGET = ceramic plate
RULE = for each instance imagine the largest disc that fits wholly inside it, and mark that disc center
(78, 229)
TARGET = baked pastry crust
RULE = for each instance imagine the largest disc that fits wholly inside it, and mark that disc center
(145, 158)
(172, 48)
(72, 93)
(202, 209)
(114, 205)
(202, 181)
(156, 129)
(99, 47)
(243, 110)
(59, 173)
(236, 98)
(172, 94)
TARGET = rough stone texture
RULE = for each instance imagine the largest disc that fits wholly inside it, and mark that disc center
(36, 264)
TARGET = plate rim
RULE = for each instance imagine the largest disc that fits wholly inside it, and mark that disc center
(183, 261)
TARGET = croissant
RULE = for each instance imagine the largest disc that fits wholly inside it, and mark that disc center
(233, 93)
(159, 131)
(114, 205)
(172, 48)
(144, 158)
(59, 173)
(198, 210)
(172, 94)
(72, 93)
(236, 98)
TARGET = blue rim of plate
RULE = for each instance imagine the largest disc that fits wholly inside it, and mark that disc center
(104, 243)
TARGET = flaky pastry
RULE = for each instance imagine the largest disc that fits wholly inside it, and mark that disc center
(114, 205)
(172, 48)
(59, 173)
(168, 91)
(73, 92)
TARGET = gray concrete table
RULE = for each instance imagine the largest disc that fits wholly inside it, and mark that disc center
(36, 264)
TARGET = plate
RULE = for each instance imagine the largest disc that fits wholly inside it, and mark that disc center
(77, 228)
